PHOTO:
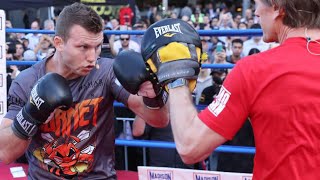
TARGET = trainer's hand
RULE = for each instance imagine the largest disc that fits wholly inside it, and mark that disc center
(174, 53)
(146, 90)
(50, 92)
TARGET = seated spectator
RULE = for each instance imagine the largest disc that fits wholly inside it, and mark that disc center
(210, 11)
(173, 15)
(219, 53)
(43, 46)
(214, 24)
(197, 18)
(204, 80)
(9, 52)
(255, 42)
(125, 43)
(236, 49)
(12, 70)
(206, 44)
(185, 18)
(25, 42)
(29, 55)
(18, 55)
(253, 51)
(139, 26)
(33, 38)
(48, 24)
(235, 162)
(209, 93)
(248, 15)
(242, 26)
(237, 19)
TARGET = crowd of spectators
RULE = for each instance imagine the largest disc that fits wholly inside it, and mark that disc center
(36, 46)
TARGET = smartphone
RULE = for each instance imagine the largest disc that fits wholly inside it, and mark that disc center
(219, 47)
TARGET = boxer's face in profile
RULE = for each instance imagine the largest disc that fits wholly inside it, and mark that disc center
(80, 50)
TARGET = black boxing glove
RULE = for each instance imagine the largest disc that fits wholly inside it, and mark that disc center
(50, 92)
(131, 71)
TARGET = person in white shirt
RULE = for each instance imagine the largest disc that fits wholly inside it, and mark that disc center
(124, 43)
(33, 37)
(255, 42)
(204, 80)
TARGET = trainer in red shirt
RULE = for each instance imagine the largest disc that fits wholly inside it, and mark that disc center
(278, 90)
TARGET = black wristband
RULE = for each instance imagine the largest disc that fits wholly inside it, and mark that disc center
(23, 126)
(157, 102)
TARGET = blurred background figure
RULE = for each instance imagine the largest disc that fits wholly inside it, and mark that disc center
(29, 55)
(42, 48)
(33, 38)
(158, 157)
(139, 26)
(48, 24)
(236, 51)
(253, 51)
(255, 42)
(204, 80)
(125, 43)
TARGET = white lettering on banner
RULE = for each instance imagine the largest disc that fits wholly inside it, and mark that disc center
(206, 177)
(158, 31)
(35, 97)
(26, 125)
(219, 103)
(160, 175)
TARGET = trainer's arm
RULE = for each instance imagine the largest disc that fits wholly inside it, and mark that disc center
(11, 147)
(138, 126)
(154, 117)
(194, 140)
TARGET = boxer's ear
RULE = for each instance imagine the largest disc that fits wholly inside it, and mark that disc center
(58, 43)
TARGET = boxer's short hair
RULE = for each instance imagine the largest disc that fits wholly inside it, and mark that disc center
(78, 14)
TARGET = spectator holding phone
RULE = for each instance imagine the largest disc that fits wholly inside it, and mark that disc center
(220, 56)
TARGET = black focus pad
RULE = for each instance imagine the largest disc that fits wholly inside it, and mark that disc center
(130, 70)
(166, 31)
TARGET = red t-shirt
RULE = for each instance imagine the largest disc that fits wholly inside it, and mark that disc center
(125, 16)
(279, 90)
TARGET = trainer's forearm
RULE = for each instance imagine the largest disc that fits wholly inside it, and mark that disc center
(182, 113)
(156, 118)
(11, 147)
